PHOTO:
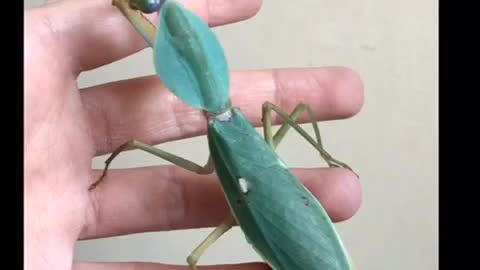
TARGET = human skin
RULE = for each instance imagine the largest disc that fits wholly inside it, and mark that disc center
(66, 128)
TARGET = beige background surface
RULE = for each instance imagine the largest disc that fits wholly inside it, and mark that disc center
(392, 142)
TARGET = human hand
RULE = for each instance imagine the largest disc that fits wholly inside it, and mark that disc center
(66, 128)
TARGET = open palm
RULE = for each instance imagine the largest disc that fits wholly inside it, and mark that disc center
(66, 128)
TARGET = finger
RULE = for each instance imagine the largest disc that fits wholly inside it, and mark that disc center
(143, 109)
(168, 198)
(94, 33)
(157, 266)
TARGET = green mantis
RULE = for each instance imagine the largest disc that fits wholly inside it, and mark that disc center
(282, 220)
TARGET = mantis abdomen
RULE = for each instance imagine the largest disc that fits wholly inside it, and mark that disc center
(279, 216)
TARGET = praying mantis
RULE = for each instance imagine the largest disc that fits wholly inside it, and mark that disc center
(278, 215)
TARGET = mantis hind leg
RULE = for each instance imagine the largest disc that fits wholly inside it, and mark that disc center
(179, 161)
(225, 226)
(274, 140)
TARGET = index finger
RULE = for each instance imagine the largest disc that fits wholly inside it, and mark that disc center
(93, 33)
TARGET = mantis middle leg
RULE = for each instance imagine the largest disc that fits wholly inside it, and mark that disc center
(179, 161)
(227, 223)
(274, 140)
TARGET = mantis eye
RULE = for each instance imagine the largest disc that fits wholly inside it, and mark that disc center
(147, 6)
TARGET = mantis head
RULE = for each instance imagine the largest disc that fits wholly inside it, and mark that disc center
(146, 6)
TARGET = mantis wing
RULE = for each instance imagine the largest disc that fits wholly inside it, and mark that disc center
(281, 218)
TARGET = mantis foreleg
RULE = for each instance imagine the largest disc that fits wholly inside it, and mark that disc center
(179, 161)
(225, 226)
(274, 140)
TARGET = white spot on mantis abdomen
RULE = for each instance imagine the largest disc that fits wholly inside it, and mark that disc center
(242, 182)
